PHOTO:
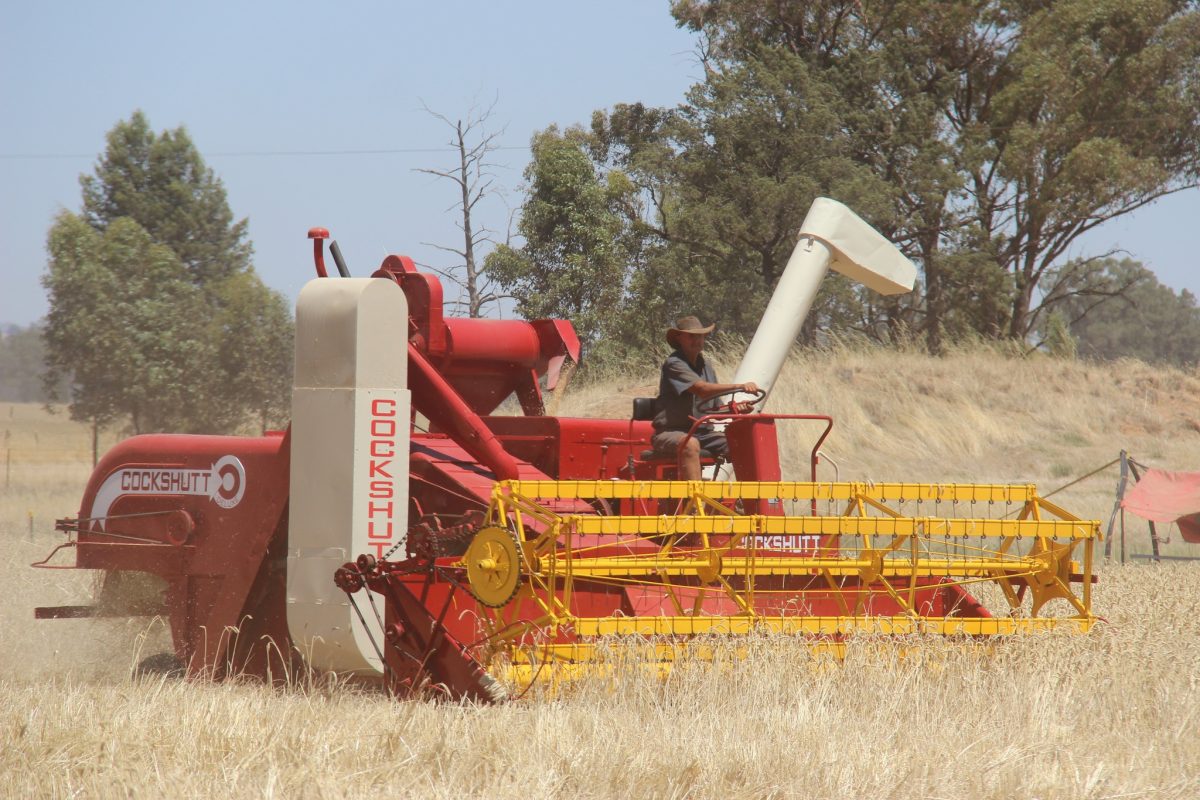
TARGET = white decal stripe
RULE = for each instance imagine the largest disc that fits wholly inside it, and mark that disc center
(224, 484)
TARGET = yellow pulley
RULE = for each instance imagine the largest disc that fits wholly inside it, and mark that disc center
(493, 562)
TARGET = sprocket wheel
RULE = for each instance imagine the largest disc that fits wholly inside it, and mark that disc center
(493, 562)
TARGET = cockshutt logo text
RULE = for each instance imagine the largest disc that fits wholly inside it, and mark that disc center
(224, 483)
(381, 494)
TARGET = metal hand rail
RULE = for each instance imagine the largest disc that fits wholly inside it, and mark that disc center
(728, 417)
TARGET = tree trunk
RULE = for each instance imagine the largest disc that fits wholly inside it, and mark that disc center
(934, 295)
(1022, 299)
(473, 301)
(474, 184)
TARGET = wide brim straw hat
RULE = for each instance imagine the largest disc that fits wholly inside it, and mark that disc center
(687, 325)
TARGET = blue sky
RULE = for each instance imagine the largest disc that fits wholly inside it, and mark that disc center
(252, 79)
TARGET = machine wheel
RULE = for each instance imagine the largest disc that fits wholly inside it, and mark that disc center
(493, 562)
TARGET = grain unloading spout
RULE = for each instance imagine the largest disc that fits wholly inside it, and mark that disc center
(832, 236)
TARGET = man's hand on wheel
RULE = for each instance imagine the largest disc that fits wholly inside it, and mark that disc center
(746, 406)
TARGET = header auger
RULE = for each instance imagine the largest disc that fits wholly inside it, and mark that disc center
(400, 532)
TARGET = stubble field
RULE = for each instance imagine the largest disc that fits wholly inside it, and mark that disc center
(1112, 714)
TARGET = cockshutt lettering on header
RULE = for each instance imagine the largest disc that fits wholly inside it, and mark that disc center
(165, 481)
(795, 543)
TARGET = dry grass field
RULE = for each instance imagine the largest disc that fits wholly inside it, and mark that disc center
(1114, 714)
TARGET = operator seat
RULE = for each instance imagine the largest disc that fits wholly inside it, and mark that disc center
(644, 409)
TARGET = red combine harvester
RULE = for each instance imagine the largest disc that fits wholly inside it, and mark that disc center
(401, 532)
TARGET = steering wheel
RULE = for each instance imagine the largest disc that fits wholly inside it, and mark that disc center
(758, 396)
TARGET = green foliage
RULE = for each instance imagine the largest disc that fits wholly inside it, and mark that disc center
(576, 247)
(1138, 318)
(1092, 116)
(724, 181)
(1006, 128)
(870, 86)
(983, 137)
(22, 361)
(255, 341)
(123, 325)
(156, 317)
(1059, 342)
(160, 181)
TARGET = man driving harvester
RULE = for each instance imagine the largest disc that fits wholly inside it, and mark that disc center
(687, 381)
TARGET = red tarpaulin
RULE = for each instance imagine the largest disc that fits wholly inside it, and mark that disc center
(1162, 496)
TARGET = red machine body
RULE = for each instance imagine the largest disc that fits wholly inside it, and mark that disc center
(207, 516)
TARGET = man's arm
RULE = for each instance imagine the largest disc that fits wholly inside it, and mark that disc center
(704, 390)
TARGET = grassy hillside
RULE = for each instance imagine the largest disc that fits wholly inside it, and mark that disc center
(1111, 714)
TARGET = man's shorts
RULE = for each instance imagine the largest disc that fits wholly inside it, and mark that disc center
(666, 443)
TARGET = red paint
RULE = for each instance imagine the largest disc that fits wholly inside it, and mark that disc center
(221, 552)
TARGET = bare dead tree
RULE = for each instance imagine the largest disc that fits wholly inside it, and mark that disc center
(473, 175)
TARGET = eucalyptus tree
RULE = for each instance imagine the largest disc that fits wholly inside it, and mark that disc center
(983, 136)
(157, 318)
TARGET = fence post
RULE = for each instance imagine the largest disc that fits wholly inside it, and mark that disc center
(1121, 483)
